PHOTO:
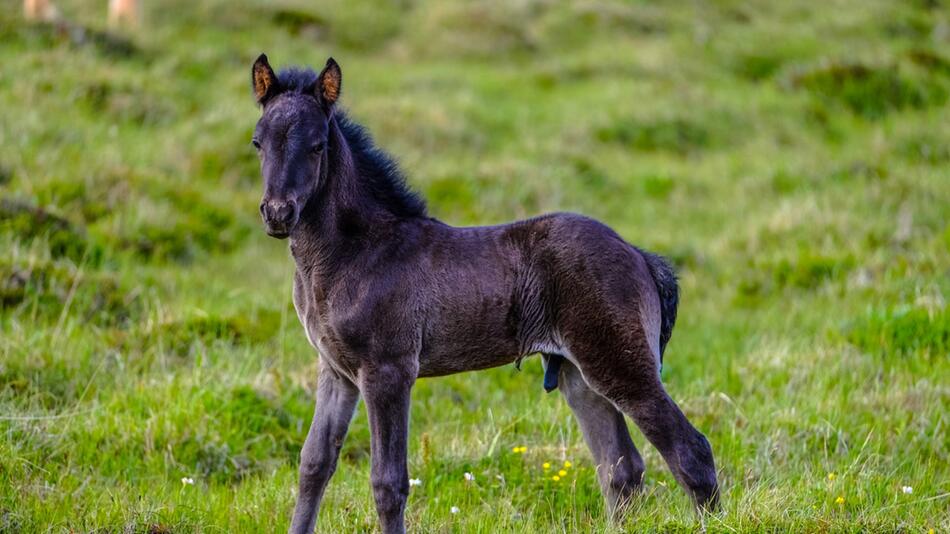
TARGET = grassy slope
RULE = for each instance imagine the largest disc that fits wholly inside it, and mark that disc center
(792, 160)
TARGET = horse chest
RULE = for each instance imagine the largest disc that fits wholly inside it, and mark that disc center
(313, 310)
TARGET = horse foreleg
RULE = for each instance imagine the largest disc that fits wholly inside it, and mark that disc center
(386, 389)
(336, 403)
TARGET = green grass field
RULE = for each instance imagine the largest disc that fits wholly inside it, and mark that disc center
(791, 158)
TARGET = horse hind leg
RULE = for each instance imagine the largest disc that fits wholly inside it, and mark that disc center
(631, 381)
(685, 449)
(619, 465)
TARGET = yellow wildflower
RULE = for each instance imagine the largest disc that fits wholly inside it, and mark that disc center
(562, 472)
(567, 464)
(555, 478)
(839, 500)
(831, 476)
(546, 465)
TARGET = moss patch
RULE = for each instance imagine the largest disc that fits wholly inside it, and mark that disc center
(869, 91)
(184, 336)
(26, 221)
(805, 271)
(901, 331)
(193, 225)
(227, 447)
(679, 134)
(44, 288)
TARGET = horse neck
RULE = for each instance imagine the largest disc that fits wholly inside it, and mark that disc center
(342, 216)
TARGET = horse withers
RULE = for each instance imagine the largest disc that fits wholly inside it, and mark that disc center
(388, 294)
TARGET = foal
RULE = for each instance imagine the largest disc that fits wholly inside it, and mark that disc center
(387, 294)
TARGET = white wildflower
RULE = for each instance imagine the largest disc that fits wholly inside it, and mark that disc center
(469, 477)
(415, 482)
(907, 489)
(454, 509)
(187, 481)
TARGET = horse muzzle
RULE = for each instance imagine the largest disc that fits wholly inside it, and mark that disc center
(280, 217)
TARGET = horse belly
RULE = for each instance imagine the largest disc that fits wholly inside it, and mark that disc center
(467, 342)
(441, 363)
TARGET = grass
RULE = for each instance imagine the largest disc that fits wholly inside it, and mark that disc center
(790, 157)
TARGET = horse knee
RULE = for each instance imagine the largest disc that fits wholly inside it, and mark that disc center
(390, 494)
(318, 460)
(316, 465)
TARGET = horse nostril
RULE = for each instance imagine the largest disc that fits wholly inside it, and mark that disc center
(268, 212)
(261, 207)
(285, 212)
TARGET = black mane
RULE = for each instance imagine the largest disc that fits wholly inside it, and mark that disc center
(378, 169)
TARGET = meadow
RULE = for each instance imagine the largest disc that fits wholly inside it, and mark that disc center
(791, 158)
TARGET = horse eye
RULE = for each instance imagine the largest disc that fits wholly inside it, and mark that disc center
(256, 144)
(318, 148)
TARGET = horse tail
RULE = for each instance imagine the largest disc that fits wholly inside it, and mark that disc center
(669, 292)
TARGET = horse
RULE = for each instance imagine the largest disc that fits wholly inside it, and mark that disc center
(387, 294)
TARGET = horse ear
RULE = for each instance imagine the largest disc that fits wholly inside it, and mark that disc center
(329, 83)
(263, 80)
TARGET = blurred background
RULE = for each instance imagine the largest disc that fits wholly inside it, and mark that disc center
(791, 159)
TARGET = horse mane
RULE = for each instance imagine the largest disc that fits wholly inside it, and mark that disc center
(298, 80)
(377, 169)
